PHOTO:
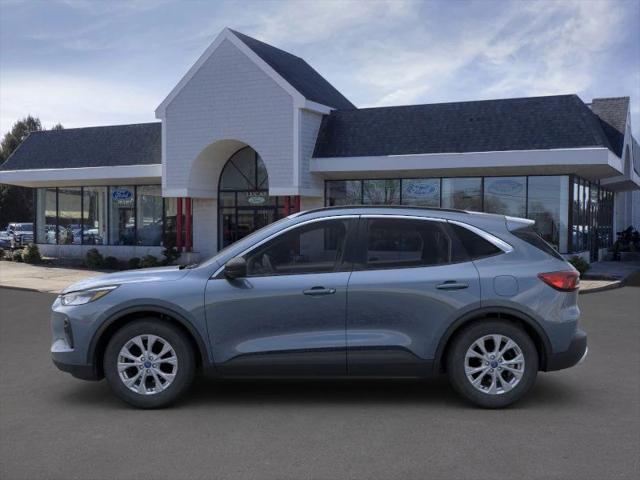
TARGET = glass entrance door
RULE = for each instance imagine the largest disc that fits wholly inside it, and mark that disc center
(244, 204)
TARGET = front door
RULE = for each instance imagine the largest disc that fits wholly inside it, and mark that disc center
(287, 317)
(406, 289)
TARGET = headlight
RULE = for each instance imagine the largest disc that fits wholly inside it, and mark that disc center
(85, 296)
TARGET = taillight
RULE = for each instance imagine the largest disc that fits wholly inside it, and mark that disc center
(563, 281)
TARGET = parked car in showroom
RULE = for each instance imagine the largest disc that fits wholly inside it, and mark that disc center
(18, 235)
(478, 297)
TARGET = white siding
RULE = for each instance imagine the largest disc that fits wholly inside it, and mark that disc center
(229, 98)
(309, 126)
(205, 226)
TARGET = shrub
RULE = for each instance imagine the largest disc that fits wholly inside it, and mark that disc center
(170, 254)
(149, 261)
(1, 253)
(133, 263)
(580, 264)
(16, 256)
(31, 254)
(111, 263)
(94, 258)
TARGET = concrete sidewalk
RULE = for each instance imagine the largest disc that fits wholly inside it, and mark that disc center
(601, 276)
(41, 278)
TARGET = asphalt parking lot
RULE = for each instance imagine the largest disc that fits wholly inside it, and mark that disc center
(580, 423)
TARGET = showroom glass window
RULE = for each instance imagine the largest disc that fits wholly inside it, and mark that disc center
(424, 192)
(313, 248)
(122, 218)
(381, 192)
(46, 215)
(506, 195)
(70, 216)
(548, 205)
(94, 218)
(343, 192)
(462, 193)
(149, 215)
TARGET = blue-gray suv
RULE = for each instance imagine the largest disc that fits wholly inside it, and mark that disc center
(335, 292)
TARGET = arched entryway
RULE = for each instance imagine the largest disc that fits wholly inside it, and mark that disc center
(244, 204)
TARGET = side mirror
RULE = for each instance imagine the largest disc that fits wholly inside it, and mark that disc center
(235, 268)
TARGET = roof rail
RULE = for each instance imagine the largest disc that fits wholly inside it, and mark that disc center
(400, 207)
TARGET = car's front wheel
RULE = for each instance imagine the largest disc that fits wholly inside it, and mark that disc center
(492, 363)
(149, 363)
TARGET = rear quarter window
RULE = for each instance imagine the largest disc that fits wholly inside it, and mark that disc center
(474, 246)
(529, 235)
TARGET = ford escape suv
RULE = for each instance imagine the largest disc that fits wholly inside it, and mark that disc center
(335, 292)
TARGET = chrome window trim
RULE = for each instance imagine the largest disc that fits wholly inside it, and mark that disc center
(280, 232)
(403, 217)
(501, 244)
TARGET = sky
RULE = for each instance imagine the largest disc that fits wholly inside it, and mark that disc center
(86, 63)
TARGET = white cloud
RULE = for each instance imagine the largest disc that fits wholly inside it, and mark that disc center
(73, 101)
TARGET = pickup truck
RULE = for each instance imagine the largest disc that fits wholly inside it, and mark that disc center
(17, 235)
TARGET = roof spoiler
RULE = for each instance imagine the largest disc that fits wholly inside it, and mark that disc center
(514, 223)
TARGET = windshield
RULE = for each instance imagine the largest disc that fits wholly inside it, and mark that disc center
(23, 227)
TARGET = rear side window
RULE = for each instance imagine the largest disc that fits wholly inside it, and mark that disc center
(399, 243)
(474, 245)
(529, 235)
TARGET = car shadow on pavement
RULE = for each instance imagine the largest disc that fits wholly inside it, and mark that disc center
(220, 393)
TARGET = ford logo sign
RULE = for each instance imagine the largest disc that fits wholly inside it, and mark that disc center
(504, 187)
(121, 194)
(421, 189)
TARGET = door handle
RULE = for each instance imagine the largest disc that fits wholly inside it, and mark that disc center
(452, 285)
(318, 291)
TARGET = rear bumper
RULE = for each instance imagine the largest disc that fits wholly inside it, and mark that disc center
(576, 352)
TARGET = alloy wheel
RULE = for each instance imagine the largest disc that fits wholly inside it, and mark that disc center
(147, 364)
(494, 364)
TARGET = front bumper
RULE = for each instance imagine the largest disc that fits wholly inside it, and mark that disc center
(84, 372)
(575, 354)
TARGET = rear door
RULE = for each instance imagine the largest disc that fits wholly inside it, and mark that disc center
(411, 281)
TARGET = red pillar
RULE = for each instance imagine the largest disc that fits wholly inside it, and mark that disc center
(287, 206)
(179, 224)
(297, 203)
(188, 242)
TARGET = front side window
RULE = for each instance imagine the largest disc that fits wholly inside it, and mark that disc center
(312, 248)
(399, 243)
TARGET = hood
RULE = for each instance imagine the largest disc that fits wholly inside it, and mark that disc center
(158, 274)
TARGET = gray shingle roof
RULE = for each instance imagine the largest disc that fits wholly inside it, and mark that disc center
(533, 123)
(613, 115)
(298, 73)
(114, 145)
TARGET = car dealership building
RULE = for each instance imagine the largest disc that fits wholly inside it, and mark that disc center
(252, 133)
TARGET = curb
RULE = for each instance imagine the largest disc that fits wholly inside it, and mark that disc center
(29, 289)
(611, 286)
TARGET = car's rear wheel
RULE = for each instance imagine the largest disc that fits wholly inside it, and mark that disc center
(492, 363)
(149, 363)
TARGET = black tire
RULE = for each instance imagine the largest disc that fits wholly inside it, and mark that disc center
(456, 363)
(183, 351)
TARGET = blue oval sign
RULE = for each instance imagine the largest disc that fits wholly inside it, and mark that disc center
(422, 189)
(121, 194)
(504, 187)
